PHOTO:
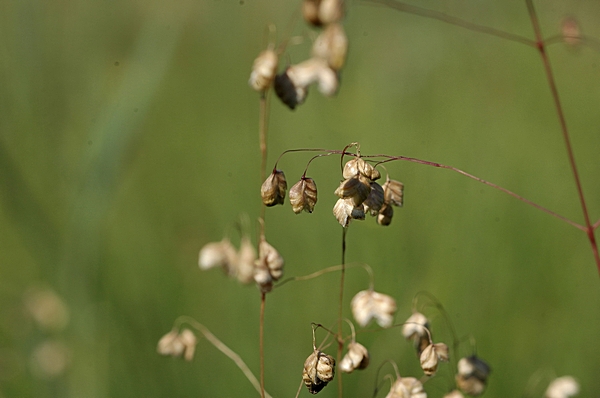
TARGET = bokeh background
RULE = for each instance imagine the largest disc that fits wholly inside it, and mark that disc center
(129, 139)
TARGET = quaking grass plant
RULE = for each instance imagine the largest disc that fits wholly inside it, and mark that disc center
(339, 353)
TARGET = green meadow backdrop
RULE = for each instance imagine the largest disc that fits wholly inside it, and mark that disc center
(129, 139)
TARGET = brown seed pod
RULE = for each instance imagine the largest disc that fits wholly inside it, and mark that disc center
(368, 304)
(319, 369)
(472, 375)
(431, 356)
(332, 46)
(357, 357)
(356, 188)
(385, 215)
(263, 70)
(273, 189)
(407, 387)
(374, 201)
(303, 195)
(393, 192)
(270, 257)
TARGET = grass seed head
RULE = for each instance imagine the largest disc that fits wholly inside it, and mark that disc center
(368, 304)
(332, 46)
(384, 217)
(472, 375)
(393, 192)
(303, 195)
(218, 254)
(319, 369)
(431, 356)
(273, 189)
(263, 70)
(357, 357)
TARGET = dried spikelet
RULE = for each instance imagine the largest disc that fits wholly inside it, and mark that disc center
(319, 369)
(303, 195)
(562, 387)
(368, 304)
(246, 261)
(384, 217)
(351, 168)
(218, 254)
(368, 171)
(342, 210)
(416, 329)
(357, 188)
(314, 70)
(472, 375)
(287, 92)
(273, 189)
(178, 344)
(357, 357)
(188, 339)
(374, 201)
(263, 70)
(407, 387)
(332, 46)
(270, 258)
(393, 192)
(431, 356)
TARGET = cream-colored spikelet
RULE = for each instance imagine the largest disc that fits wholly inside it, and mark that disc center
(268, 266)
(357, 357)
(407, 387)
(314, 70)
(322, 12)
(178, 344)
(368, 304)
(431, 356)
(331, 45)
(246, 261)
(263, 70)
(303, 195)
(562, 387)
(319, 369)
(274, 188)
(472, 375)
(416, 329)
(218, 254)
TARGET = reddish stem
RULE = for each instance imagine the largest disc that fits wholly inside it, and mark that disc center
(541, 46)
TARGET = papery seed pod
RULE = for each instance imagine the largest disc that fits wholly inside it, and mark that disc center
(562, 387)
(374, 201)
(431, 356)
(314, 70)
(351, 168)
(188, 339)
(263, 70)
(303, 195)
(319, 369)
(332, 46)
(472, 375)
(407, 387)
(273, 189)
(393, 192)
(368, 304)
(263, 277)
(287, 92)
(328, 82)
(357, 357)
(342, 210)
(416, 329)
(170, 344)
(357, 188)
(218, 254)
(269, 256)
(385, 215)
(454, 394)
(368, 171)
(246, 261)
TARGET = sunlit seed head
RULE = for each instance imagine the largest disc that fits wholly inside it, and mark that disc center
(319, 370)
(331, 45)
(303, 195)
(368, 304)
(46, 308)
(431, 356)
(218, 254)
(393, 192)
(357, 357)
(274, 188)
(357, 188)
(263, 70)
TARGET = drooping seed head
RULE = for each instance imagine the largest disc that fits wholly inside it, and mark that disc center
(407, 387)
(416, 328)
(218, 254)
(357, 188)
(270, 257)
(357, 357)
(319, 369)
(263, 70)
(303, 195)
(374, 201)
(331, 45)
(431, 356)
(368, 304)
(273, 189)
(314, 70)
(472, 375)
(189, 340)
(562, 387)
(178, 344)
(384, 217)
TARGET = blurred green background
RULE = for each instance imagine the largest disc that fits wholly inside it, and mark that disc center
(129, 139)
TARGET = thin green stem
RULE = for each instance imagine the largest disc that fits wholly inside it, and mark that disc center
(541, 46)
